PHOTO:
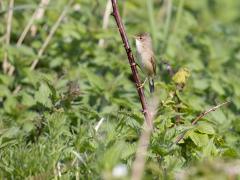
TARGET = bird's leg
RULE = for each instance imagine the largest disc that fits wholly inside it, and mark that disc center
(142, 85)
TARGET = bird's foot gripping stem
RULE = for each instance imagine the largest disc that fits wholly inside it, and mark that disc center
(142, 85)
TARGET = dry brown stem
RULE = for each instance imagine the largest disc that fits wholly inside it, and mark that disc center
(46, 42)
(200, 116)
(38, 12)
(106, 16)
(6, 65)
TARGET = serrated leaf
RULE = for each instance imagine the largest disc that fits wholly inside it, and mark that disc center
(11, 132)
(43, 95)
(198, 139)
(219, 116)
(217, 87)
(27, 100)
(4, 91)
(210, 149)
(10, 104)
(205, 128)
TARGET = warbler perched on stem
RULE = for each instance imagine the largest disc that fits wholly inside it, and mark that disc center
(145, 51)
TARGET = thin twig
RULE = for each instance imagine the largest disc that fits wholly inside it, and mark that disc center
(106, 16)
(49, 37)
(200, 116)
(46, 42)
(208, 111)
(40, 7)
(39, 14)
(131, 62)
(6, 65)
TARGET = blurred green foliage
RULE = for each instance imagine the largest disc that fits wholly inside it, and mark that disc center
(78, 113)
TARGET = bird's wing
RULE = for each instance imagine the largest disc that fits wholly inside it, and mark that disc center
(153, 62)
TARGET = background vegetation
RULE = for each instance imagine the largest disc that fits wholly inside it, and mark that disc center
(77, 114)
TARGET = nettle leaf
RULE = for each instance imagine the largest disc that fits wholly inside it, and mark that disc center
(170, 133)
(94, 79)
(198, 139)
(10, 104)
(28, 126)
(219, 116)
(5, 79)
(11, 132)
(21, 55)
(206, 128)
(30, 77)
(113, 154)
(53, 90)
(43, 94)
(210, 149)
(27, 99)
(201, 84)
(217, 87)
(130, 150)
(4, 91)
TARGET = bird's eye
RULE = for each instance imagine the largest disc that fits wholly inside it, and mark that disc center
(141, 38)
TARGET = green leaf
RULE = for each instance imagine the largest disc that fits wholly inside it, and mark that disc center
(217, 87)
(10, 104)
(198, 139)
(27, 100)
(43, 95)
(219, 116)
(201, 84)
(205, 128)
(11, 132)
(210, 149)
(21, 55)
(4, 91)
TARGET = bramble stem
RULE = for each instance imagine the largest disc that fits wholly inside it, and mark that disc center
(132, 63)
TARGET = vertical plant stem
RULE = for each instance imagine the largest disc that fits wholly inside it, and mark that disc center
(139, 162)
(6, 65)
(144, 141)
(39, 15)
(106, 16)
(132, 63)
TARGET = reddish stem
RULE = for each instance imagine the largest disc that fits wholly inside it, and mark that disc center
(131, 62)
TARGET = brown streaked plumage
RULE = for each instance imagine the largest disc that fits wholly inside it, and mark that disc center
(145, 51)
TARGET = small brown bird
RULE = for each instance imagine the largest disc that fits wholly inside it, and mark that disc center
(145, 51)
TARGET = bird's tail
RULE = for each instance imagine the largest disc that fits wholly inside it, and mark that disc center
(151, 85)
